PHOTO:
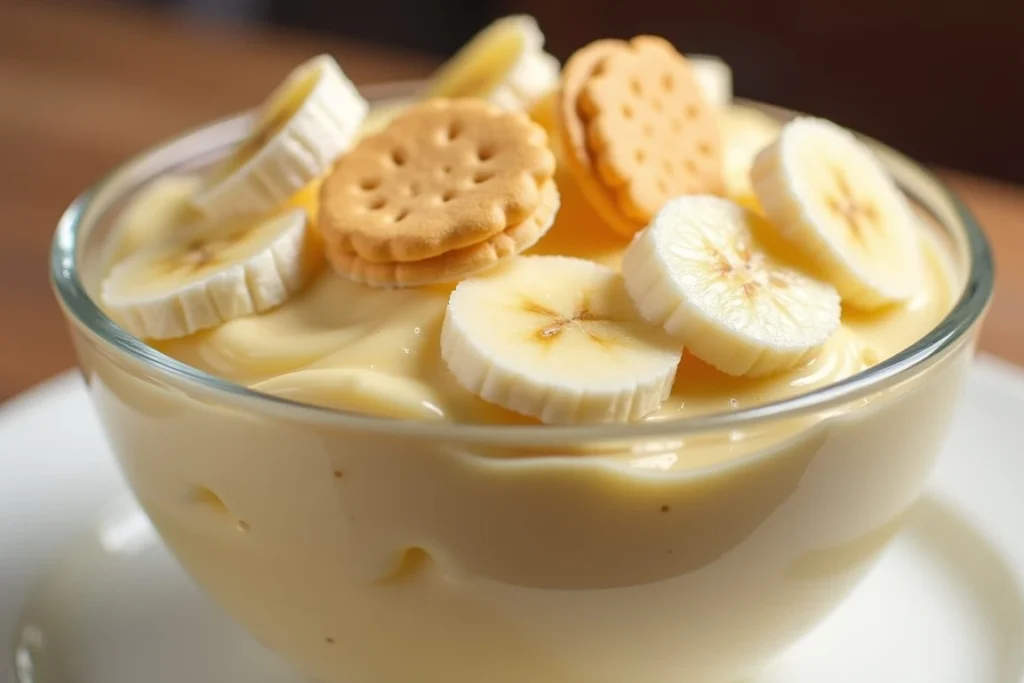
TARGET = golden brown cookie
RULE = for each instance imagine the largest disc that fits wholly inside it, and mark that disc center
(444, 175)
(571, 137)
(636, 129)
(457, 263)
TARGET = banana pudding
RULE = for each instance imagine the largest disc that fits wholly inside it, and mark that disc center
(421, 280)
(578, 374)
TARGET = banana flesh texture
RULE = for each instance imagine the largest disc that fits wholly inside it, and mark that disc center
(833, 201)
(697, 272)
(198, 278)
(505, 64)
(312, 118)
(558, 339)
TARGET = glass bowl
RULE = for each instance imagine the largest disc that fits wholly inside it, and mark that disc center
(371, 550)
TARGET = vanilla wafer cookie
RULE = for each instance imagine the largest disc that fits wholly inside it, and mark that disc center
(456, 264)
(636, 129)
(449, 188)
(445, 175)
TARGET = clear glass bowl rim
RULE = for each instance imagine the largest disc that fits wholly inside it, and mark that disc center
(87, 315)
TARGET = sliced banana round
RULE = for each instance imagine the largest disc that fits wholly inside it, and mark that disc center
(557, 338)
(310, 119)
(201, 278)
(153, 213)
(696, 271)
(714, 78)
(505, 63)
(832, 199)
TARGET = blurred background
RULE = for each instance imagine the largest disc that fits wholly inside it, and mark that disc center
(942, 81)
(86, 84)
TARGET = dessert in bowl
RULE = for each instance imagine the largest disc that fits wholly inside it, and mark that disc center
(557, 375)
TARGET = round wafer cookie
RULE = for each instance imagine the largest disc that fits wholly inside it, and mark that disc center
(444, 175)
(636, 130)
(455, 264)
(571, 137)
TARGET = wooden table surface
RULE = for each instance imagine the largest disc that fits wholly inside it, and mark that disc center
(82, 89)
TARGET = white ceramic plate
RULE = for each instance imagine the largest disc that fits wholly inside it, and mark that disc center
(102, 601)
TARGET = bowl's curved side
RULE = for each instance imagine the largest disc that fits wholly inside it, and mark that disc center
(339, 548)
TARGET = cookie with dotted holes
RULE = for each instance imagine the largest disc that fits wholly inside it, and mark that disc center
(445, 175)
(636, 129)
(455, 264)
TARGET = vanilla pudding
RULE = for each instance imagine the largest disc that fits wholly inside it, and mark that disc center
(466, 542)
(379, 352)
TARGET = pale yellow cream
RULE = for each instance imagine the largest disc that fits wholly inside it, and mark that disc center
(379, 556)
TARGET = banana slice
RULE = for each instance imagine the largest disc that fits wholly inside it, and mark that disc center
(201, 278)
(155, 212)
(696, 271)
(505, 64)
(714, 78)
(557, 338)
(304, 125)
(833, 200)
